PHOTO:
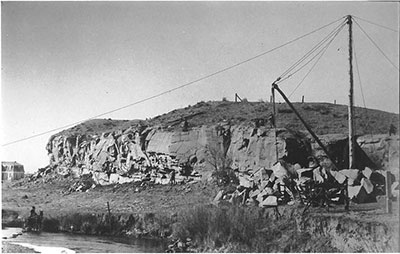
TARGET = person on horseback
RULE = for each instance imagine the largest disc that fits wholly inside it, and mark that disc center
(33, 212)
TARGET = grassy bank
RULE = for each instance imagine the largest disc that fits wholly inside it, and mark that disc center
(245, 229)
(134, 225)
(209, 228)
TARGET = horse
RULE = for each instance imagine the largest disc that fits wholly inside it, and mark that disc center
(34, 223)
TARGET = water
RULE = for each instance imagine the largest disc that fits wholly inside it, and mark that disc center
(84, 244)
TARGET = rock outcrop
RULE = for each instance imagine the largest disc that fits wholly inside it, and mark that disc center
(249, 146)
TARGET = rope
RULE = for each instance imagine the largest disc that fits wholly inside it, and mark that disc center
(383, 53)
(388, 28)
(173, 89)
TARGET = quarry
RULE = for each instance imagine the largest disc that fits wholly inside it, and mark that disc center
(172, 176)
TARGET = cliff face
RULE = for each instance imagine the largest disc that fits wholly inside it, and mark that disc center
(124, 152)
(247, 146)
(202, 135)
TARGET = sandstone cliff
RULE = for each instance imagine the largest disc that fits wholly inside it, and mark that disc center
(192, 137)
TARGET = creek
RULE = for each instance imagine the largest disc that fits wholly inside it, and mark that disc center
(76, 243)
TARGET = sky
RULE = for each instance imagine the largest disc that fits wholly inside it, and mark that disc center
(64, 62)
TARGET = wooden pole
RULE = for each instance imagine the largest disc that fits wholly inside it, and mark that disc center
(389, 207)
(351, 102)
(109, 215)
(274, 121)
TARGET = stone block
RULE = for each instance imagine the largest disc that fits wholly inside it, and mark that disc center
(270, 201)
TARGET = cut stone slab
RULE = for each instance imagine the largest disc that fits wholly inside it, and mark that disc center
(305, 172)
(352, 174)
(279, 170)
(114, 178)
(367, 172)
(245, 181)
(368, 186)
(100, 178)
(358, 194)
(338, 176)
(254, 193)
(218, 197)
(269, 201)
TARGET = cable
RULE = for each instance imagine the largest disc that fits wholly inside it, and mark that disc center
(358, 74)
(391, 29)
(316, 47)
(312, 50)
(178, 87)
(315, 63)
(368, 125)
(383, 53)
(301, 67)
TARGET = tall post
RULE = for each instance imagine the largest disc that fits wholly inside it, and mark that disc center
(388, 183)
(274, 122)
(351, 134)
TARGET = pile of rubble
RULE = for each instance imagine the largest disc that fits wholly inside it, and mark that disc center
(163, 170)
(181, 246)
(314, 185)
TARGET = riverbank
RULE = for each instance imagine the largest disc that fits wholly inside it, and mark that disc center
(8, 247)
(184, 216)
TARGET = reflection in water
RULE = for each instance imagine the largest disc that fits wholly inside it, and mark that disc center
(89, 244)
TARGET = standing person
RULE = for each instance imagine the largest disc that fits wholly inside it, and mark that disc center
(172, 180)
(392, 130)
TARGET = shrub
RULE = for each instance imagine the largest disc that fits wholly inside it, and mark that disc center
(239, 229)
(194, 223)
(50, 225)
(225, 176)
(84, 223)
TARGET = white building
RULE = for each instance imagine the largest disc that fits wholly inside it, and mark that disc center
(11, 170)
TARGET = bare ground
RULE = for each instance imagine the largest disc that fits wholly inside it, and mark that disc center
(54, 199)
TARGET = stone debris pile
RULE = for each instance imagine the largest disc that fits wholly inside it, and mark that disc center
(115, 157)
(312, 186)
(162, 169)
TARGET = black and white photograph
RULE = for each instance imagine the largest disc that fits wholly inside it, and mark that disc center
(200, 126)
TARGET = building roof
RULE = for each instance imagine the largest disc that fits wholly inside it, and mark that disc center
(11, 163)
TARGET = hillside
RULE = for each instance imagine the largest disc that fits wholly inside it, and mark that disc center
(163, 179)
(324, 118)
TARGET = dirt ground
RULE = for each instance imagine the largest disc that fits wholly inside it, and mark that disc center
(54, 199)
